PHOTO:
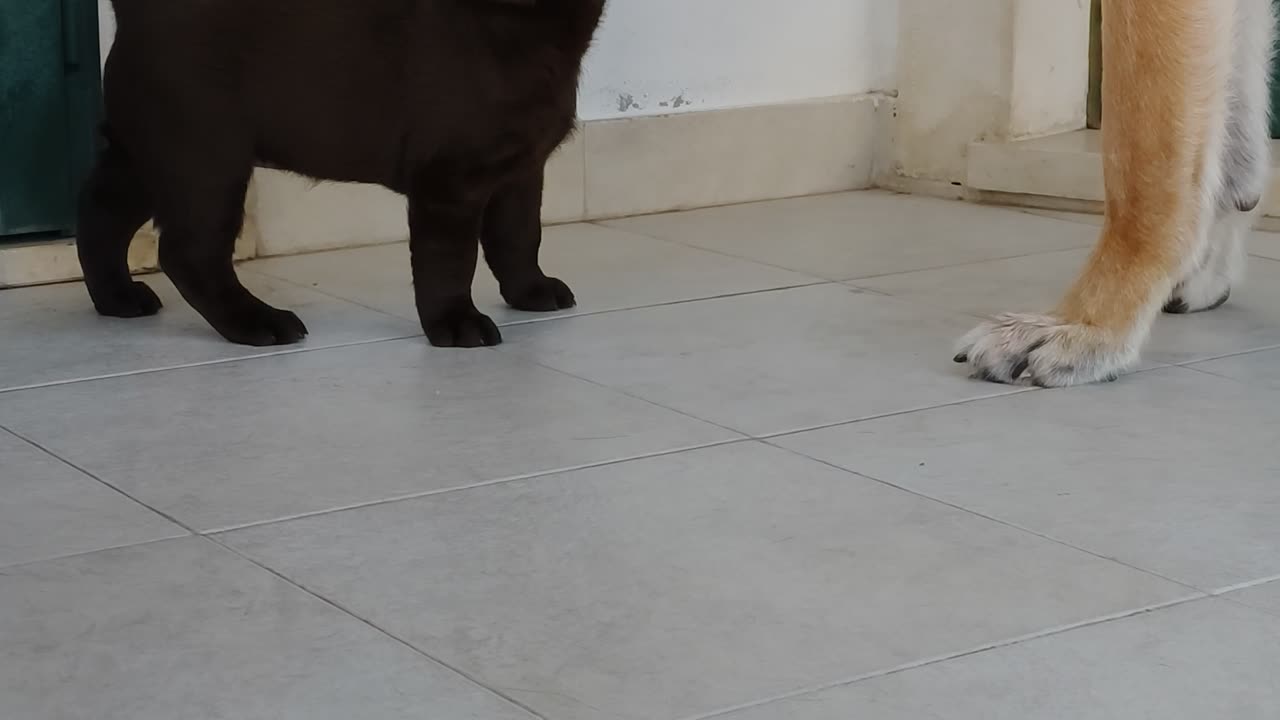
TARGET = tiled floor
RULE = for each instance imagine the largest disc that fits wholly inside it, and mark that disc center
(742, 480)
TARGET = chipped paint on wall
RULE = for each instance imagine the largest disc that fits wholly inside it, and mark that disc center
(663, 56)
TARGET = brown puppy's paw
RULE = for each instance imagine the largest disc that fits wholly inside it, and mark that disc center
(461, 326)
(1043, 350)
(261, 325)
(130, 301)
(547, 294)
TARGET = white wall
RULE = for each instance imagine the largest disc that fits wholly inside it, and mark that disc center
(659, 56)
(985, 70)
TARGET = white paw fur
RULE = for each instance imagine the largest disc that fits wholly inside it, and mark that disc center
(1209, 284)
(1043, 350)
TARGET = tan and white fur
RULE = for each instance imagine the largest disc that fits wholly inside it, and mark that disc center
(1186, 162)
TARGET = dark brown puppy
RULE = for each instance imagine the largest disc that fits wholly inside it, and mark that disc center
(455, 103)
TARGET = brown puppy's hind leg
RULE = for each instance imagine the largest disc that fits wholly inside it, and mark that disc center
(200, 216)
(1164, 127)
(113, 206)
(511, 237)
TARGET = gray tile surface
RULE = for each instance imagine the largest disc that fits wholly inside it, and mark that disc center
(448, 499)
(186, 629)
(1265, 244)
(670, 587)
(52, 334)
(863, 234)
(49, 509)
(1259, 369)
(607, 269)
(235, 443)
(770, 362)
(1206, 659)
(1157, 470)
(1265, 597)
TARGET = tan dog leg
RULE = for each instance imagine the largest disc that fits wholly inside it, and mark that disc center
(1246, 165)
(1182, 154)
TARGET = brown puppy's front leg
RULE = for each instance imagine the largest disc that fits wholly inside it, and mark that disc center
(444, 243)
(1164, 126)
(512, 236)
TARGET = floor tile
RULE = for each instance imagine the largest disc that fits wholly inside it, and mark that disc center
(186, 629)
(48, 509)
(236, 443)
(1206, 659)
(1251, 320)
(856, 235)
(1084, 218)
(1264, 597)
(1157, 470)
(770, 362)
(1265, 244)
(61, 337)
(673, 586)
(1028, 283)
(607, 269)
(1258, 369)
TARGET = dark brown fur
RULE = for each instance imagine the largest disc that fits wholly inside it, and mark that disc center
(455, 103)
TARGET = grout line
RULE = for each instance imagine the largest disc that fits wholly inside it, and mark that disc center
(619, 391)
(545, 317)
(85, 472)
(953, 656)
(1058, 215)
(295, 350)
(640, 232)
(998, 521)
(1011, 392)
(846, 281)
(377, 628)
(748, 203)
(967, 263)
(317, 289)
(475, 486)
(1014, 391)
(872, 189)
(670, 303)
(86, 553)
(1224, 595)
(1211, 374)
(1190, 364)
(1244, 586)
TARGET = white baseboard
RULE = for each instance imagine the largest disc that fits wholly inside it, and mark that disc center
(615, 168)
(610, 168)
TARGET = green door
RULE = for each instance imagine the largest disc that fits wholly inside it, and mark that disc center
(1275, 87)
(50, 101)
